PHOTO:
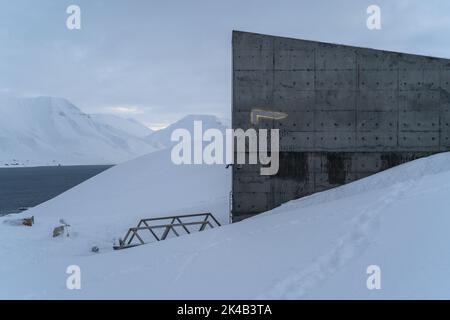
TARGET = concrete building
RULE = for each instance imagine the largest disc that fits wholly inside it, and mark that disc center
(351, 112)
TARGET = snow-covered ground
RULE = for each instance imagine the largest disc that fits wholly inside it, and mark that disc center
(316, 247)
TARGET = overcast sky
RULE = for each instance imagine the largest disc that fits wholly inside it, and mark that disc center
(157, 61)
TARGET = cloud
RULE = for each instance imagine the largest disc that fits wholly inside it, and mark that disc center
(157, 126)
(156, 61)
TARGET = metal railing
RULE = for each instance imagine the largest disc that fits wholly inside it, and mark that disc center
(176, 225)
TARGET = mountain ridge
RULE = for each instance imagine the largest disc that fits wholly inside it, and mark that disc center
(53, 131)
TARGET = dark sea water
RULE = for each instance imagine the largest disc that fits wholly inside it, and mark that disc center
(28, 187)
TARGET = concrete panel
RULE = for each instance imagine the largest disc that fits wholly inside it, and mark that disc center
(256, 52)
(294, 59)
(378, 79)
(445, 139)
(380, 121)
(351, 111)
(336, 162)
(334, 141)
(330, 57)
(324, 182)
(294, 80)
(294, 186)
(252, 183)
(251, 202)
(286, 99)
(416, 62)
(335, 79)
(335, 121)
(419, 140)
(419, 121)
(445, 79)
(367, 163)
(418, 100)
(293, 44)
(445, 121)
(245, 170)
(297, 121)
(377, 100)
(418, 79)
(252, 89)
(254, 59)
(247, 41)
(297, 165)
(374, 60)
(335, 99)
(296, 141)
(377, 141)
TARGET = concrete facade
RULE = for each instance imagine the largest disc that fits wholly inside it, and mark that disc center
(351, 112)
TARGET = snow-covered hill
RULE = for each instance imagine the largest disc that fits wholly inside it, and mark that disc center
(129, 126)
(316, 247)
(161, 138)
(51, 131)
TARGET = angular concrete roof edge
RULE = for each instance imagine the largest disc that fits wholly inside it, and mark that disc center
(340, 44)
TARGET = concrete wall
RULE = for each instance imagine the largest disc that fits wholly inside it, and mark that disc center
(351, 112)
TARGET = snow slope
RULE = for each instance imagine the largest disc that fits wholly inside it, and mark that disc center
(129, 126)
(50, 131)
(161, 137)
(316, 247)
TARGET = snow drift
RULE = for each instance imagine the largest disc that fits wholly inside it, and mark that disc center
(316, 247)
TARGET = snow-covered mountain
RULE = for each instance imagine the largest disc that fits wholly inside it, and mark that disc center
(51, 131)
(161, 138)
(316, 247)
(130, 126)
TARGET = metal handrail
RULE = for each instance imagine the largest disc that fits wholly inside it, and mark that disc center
(176, 221)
